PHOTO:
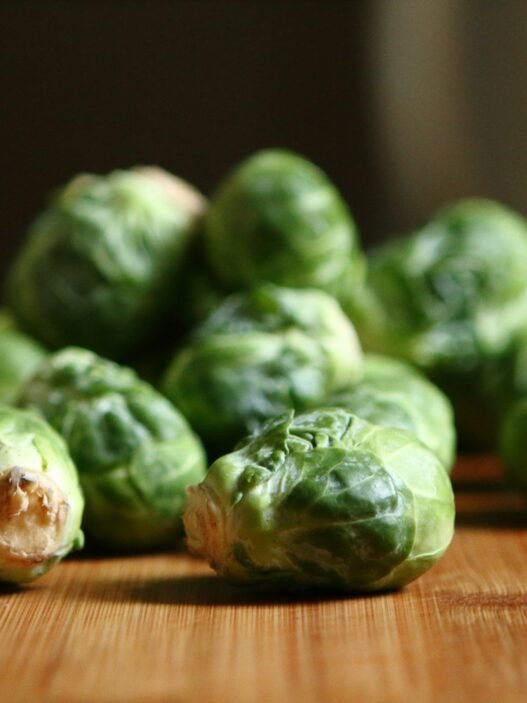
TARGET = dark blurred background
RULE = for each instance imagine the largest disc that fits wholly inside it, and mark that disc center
(405, 103)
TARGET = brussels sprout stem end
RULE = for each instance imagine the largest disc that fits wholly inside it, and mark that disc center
(33, 511)
(205, 526)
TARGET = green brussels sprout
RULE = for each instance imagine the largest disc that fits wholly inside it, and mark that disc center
(134, 452)
(452, 299)
(394, 394)
(6, 321)
(100, 265)
(278, 218)
(324, 499)
(258, 354)
(41, 502)
(19, 356)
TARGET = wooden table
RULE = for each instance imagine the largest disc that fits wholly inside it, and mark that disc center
(164, 629)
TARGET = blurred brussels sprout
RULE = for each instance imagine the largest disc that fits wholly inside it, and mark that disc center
(40, 498)
(101, 264)
(325, 500)
(19, 356)
(278, 218)
(452, 298)
(394, 394)
(135, 453)
(258, 354)
(6, 320)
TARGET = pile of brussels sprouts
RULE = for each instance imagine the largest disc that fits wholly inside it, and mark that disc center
(147, 334)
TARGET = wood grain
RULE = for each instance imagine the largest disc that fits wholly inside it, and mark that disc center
(164, 629)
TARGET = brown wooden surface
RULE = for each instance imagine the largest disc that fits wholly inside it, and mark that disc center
(163, 628)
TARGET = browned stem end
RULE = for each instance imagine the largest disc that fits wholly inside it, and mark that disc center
(205, 526)
(33, 511)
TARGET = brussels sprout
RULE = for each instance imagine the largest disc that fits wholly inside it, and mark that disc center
(6, 321)
(19, 356)
(452, 298)
(278, 218)
(40, 498)
(135, 453)
(100, 265)
(324, 499)
(260, 353)
(393, 394)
